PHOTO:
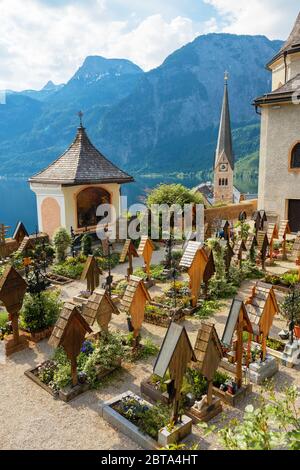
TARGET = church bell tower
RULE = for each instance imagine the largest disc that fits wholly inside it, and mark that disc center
(224, 161)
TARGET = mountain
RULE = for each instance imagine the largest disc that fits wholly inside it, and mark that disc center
(162, 121)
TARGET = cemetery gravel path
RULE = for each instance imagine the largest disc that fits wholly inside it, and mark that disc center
(32, 419)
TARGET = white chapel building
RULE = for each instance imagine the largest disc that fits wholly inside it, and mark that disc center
(71, 188)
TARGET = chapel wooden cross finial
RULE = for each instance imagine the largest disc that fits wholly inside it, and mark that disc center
(80, 114)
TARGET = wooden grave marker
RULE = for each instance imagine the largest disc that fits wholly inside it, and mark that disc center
(263, 219)
(174, 356)
(195, 259)
(226, 229)
(26, 246)
(251, 245)
(20, 232)
(100, 309)
(209, 271)
(145, 250)
(133, 304)
(272, 234)
(283, 231)
(129, 251)
(12, 291)
(91, 273)
(69, 333)
(209, 353)
(262, 245)
(296, 252)
(257, 221)
(237, 322)
(238, 249)
(262, 307)
(228, 254)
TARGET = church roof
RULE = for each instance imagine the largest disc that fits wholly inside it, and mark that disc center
(283, 94)
(81, 163)
(224, 146)
(292, 44)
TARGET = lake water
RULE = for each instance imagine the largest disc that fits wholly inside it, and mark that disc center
(17, 201)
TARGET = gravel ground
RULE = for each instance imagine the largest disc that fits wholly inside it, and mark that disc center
(32, 419)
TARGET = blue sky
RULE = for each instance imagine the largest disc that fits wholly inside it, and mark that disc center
(49, 39)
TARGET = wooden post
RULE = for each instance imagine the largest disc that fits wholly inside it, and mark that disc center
(210, 393)
(284, 256)
(130, 269)
(239, 352)
(264, 347)
(249, 349)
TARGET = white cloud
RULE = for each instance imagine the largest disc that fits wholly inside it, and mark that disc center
(40, 41)
(272, 18)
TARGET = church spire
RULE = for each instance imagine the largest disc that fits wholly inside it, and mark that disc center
(224, 146)
(224, 163)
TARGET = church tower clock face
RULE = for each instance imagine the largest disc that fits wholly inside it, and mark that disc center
(224, 167)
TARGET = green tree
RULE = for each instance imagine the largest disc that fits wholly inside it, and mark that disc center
(173, 194)
(62, 241)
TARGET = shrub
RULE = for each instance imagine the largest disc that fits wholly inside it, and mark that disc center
(86, 244)
(71, 267)
(208, 308)
(40, 311)
(103, 262)
(153, 419)
(62, 241)
(220, 288)
(274, 424)
(173, 194)
(290, 307)
(156, 272)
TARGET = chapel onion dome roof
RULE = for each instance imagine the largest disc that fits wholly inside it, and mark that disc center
(80, 164)
(292, 45)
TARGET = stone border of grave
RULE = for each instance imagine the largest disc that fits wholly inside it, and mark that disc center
(58, 280)
(68, 393)
(40, 335)
(123, 425)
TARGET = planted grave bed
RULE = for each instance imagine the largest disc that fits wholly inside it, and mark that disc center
(56, 279)
(39, 314)
(193, 390)
(97, 359)
(148, 425)
(161, 315)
